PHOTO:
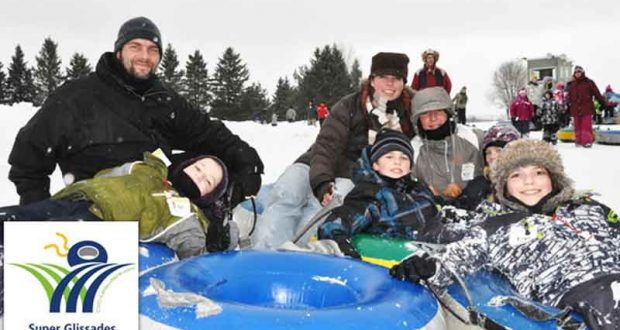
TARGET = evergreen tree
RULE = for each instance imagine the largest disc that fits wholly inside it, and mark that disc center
(3, 92)
(169, 73)
(356, 76)
(230, 76)
(326, 80)
(78, 67)
(30, 85)
(284, 98)
(252, 100)
(48, 71)
(17, 90)
(195, 86)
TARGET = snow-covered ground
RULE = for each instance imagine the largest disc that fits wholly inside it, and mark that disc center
(596, 168)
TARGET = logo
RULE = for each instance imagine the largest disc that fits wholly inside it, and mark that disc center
(71, 275)
(80, 282)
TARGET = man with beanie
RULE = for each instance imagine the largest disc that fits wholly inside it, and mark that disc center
(447, 155)
(113, 115)
(430, 75)
(386, 201)
(325, 168)
(581, 92)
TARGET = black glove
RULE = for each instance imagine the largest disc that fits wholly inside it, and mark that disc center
(415, 268)
(324, 188)
(346, 247)
(513, 120)
(242, 186)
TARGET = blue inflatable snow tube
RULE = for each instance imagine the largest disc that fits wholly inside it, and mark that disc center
(289, 290)
(153, 255)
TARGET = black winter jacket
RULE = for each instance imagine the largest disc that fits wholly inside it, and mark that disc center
(101, 121)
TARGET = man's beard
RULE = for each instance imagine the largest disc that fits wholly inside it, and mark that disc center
(139, 75)
(133, 73)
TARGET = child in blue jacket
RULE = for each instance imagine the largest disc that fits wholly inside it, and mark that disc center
(386, 200)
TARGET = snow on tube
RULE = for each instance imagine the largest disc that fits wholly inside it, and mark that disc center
(243, 214)
(483, 286)
(154, 255)
(608, 136)
(285, 290)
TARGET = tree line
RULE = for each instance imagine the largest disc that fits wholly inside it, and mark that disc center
(227, 93)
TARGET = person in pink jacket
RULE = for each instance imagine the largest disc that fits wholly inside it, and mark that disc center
(522, 112)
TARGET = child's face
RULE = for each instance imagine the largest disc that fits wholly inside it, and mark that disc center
(432, 120)
(395, 164)
(491, 154)
(529, 184)
(206, 174)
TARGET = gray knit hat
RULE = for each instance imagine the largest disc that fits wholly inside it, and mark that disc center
(138, 27)
(429, 99)
(525, 152)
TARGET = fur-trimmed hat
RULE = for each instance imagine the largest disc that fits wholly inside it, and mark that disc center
(429, 99)
(390, 140)
(390, 63)
(499, 135)
(186, 186)
(138, 27)
(525, 152)
(430, 52)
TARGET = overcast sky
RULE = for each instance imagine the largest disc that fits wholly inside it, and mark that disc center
(274, 37)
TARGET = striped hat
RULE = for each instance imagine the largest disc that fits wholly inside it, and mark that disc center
(389, 140)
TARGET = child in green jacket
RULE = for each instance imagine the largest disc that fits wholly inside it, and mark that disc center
(143, 191)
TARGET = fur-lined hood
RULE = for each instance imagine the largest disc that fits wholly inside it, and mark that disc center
(526, 152)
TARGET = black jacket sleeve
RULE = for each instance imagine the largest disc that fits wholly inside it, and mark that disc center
(34, 154)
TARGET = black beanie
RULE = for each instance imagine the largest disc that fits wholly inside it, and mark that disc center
(389, 140)
(138, 27)
(390, 63)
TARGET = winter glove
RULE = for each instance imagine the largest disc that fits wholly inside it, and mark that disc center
(415, 268)
(346, 247)
(242, 186)
(513, 120)
(452, 190)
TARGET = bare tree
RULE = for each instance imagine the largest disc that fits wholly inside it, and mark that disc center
(507, 79)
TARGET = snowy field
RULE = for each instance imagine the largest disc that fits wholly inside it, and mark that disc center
(596, 169)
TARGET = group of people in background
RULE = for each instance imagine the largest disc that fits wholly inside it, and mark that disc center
(579, 102)
(401, 156)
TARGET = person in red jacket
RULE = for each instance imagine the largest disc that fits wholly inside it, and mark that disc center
(581, 91)
(323, 113)
(522, 112)
(430, 75)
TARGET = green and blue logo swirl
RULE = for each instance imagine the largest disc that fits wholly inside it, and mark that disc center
(77, 284)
